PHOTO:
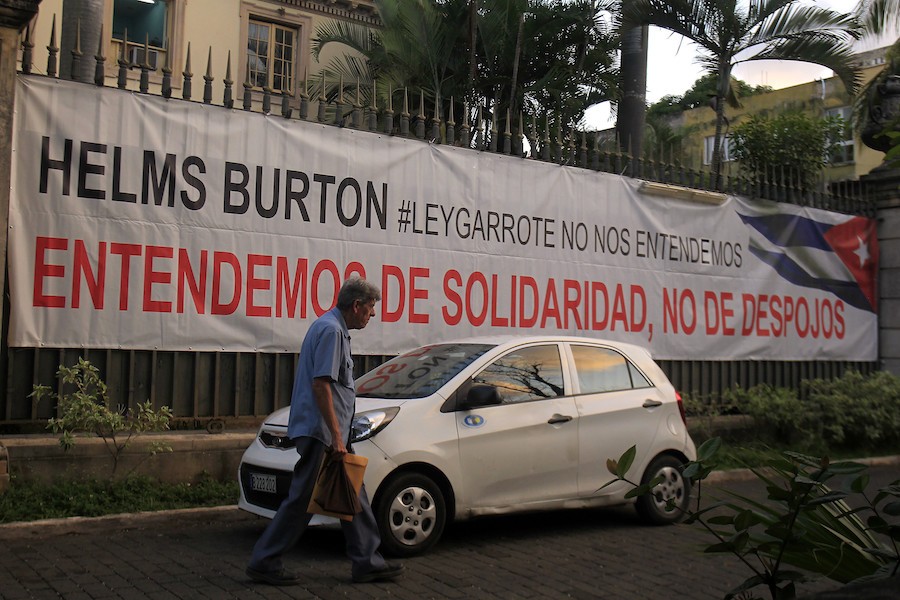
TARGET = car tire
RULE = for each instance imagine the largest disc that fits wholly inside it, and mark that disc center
(653, 507)
(411, 514)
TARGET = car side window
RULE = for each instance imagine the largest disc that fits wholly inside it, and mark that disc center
(605, 370)
(532, 373)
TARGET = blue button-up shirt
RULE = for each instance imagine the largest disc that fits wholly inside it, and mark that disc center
(325, 352)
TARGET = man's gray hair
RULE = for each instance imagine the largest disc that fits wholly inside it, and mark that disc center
(357, 288)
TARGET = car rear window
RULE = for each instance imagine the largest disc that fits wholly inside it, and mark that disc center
(418, 373)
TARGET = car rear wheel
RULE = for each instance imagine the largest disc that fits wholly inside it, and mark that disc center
(654, 507)
(411, 514)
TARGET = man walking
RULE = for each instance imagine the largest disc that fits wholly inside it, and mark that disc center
(322, 406)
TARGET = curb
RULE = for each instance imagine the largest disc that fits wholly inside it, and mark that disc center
(231, 512)
(74, 525)
(746, 474)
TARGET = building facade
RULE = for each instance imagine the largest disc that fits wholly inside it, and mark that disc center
(266, 43)
(820, 98)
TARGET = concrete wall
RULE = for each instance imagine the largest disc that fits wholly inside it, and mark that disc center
(193, 456)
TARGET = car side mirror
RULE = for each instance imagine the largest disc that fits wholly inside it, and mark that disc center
(480, 395)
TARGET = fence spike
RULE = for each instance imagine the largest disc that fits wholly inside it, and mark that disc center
(451, 125)
(389, 112)
(248, 89)
(76, 51)
(187, 75)
(339, 103)
(464, 129)
(267, 99)
(208, 79)
(53, 50)
(167, 74)
(27, 49)
(436, 122)
(358, 108)
(145, 66)
(304, 96)
(373, 108)
(507, 135)
(99, 60)
(322, 104)
(520, 136)
(228, 95)
(404, 116)
(420, 117)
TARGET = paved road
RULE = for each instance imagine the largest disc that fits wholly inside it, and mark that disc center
(202, 554)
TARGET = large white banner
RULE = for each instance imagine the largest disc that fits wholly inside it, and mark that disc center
(138, 222)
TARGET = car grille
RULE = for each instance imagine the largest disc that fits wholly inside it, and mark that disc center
(265, 499)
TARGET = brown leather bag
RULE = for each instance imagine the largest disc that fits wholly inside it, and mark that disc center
(337, 487)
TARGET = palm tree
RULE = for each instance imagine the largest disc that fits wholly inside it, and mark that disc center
(728, 34)
(529, 55)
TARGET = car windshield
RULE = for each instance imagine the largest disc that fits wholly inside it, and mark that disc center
(418, 373)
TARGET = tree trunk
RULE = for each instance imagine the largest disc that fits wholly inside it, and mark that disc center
(89, 14)
(515, 70)
(633, 104)
(721, 94)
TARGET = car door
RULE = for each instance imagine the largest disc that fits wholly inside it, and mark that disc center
(617, 408)
(524, 450)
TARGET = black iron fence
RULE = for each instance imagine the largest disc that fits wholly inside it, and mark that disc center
(204, 387)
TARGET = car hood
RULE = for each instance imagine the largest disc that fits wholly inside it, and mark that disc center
(281, 416)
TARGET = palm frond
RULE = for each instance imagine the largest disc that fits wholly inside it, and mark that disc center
(818, 48)
(352, 35)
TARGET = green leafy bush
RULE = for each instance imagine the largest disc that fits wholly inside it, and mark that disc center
(852, 413)
(88, 410)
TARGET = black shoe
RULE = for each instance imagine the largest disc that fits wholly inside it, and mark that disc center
(386, 573)
(280, 577)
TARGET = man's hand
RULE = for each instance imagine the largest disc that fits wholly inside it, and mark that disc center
(321, 387)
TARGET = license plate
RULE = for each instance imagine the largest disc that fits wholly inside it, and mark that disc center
(262, 483)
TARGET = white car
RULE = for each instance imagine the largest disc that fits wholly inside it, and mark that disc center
(487, 426)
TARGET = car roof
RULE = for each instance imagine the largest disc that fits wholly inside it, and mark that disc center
(513, 340)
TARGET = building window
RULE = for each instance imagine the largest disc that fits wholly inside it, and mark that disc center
(709, 144)
(843, 151)
(142, 22)
(271, 55)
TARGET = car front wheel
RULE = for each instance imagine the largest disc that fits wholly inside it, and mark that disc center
(411, 514)
(654, 507)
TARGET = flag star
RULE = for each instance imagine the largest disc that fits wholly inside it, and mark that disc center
(862, 251)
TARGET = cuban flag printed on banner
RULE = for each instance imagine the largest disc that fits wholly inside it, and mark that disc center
(840, 258)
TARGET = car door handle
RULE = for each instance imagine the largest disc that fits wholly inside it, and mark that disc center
(557, 418)
(648, 403)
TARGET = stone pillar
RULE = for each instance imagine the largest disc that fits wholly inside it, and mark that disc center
(883, 185)
(14, 16)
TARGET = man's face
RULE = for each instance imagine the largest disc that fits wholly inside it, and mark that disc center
(360, 313)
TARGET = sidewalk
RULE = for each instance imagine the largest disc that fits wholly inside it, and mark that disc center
(201, 553)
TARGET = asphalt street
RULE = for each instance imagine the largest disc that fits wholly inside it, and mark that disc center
(202, 553)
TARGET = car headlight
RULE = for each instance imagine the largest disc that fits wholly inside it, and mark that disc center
(366, 424)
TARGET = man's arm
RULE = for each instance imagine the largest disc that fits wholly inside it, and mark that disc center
(321, 387)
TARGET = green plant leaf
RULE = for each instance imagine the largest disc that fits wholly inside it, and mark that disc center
(827, 498)
(721, 520)
(892, 509)
(625, 461)
(859, 484)
(709, 449)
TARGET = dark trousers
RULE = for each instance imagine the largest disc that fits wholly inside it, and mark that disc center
(291, 520)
